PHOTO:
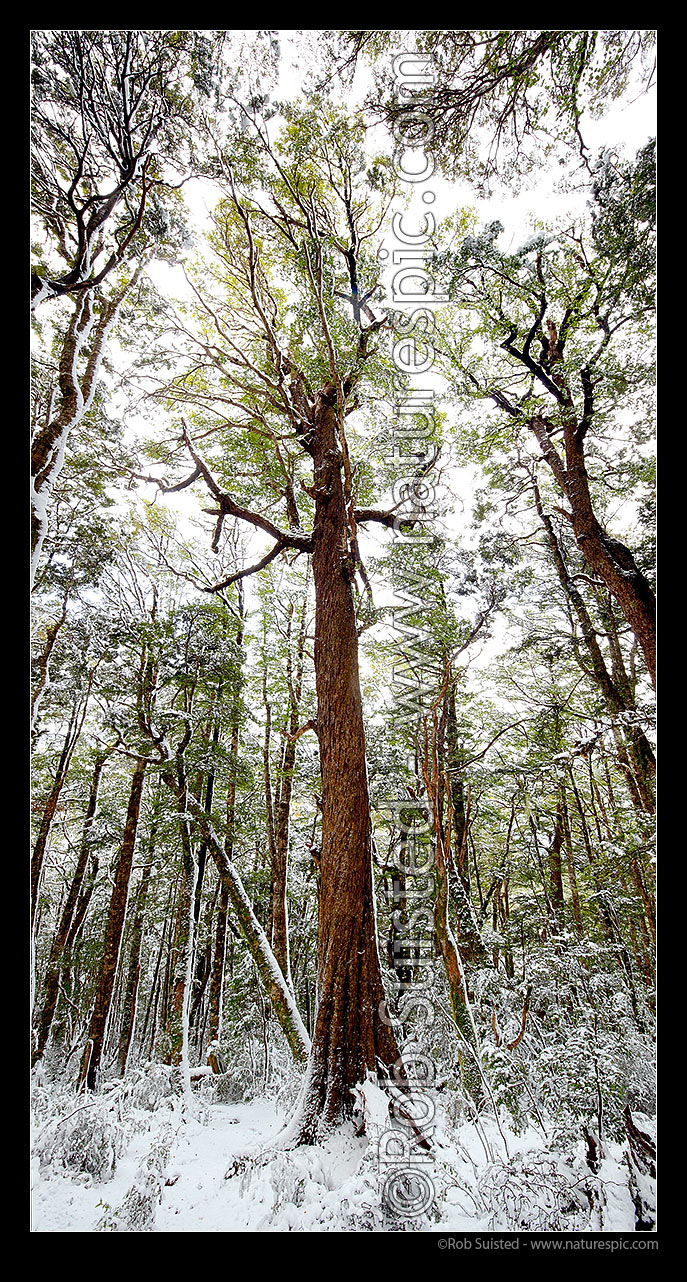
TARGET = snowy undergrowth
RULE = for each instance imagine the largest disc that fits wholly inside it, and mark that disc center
(141, 1158)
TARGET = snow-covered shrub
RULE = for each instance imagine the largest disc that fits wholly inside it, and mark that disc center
(531, 1194)
(221, 1088)
(584, 1052)
(154, 1086)
(136, 1214)
(88, 1141)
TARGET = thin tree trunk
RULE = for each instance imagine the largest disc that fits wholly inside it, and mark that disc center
(134, 973)
(556, 870)
(279, 921)
(606, 557)
(90, 1063)
(59, 944)
(70, 741)
(87, 333)
(438, 789)
(218, 961)
(254, 935)
(183, 942)
(42, 661)
(570, 864)
(469, 940)
(614, 685)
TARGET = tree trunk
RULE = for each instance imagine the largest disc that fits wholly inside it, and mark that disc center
(282, 810)
(133, 976)
(71, 738)
(184, 934)
(472, 950)
(556, 871)
(350, 1038)
(113, 934)
(615, 688)
(606, 557)
(218, 961)
(85, 340)
(270, 973)
(438, 790)
(57, 951)
(570, 864)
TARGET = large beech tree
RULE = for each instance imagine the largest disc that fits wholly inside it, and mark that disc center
(287, 415)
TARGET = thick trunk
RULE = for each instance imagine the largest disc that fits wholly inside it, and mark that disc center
(350, 1038)
(113, 934)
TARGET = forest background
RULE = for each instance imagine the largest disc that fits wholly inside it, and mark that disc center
(343, 618)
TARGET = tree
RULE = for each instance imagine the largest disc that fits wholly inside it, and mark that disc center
(111, 117)
(583, 306)
(493, 104)
(289, 401)
(483, 750)
(113, 126)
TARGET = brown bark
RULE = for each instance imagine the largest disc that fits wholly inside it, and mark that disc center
(219, 956)
(350, 1036)
(70, 741)
(556, 869)
(605, 556)
(438, 791)
(90, 1063)
(59, 944)
(282, 808)
(350, 1039)
(134, 971)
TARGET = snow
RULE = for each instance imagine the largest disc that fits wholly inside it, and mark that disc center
(172, 1177)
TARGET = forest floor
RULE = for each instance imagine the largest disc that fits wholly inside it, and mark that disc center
(164, 1170)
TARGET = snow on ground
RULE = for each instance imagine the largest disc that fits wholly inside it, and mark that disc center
(300, 1190)
(167, 1169)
